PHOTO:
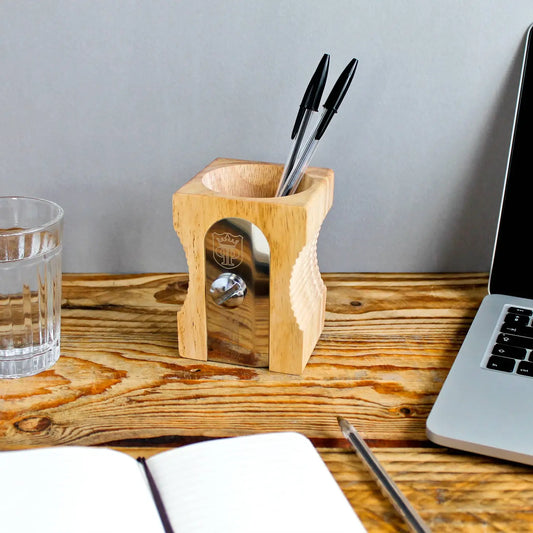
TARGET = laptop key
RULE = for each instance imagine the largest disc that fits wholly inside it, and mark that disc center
(520, 311)
(505, 364)
(523, 331)
(525, 368)
(517, 320)
(509, 351)
(514, 340)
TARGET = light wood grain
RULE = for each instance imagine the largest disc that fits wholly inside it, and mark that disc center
(244, 189)
(387, 345)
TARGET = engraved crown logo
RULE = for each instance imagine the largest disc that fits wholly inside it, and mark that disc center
(227, 249)
(226, 239)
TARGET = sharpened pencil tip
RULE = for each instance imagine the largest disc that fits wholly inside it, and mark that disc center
(344, 425)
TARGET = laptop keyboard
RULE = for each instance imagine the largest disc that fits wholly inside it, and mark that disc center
(513, 350)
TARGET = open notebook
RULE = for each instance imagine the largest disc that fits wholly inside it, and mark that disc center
(274, 482)
(485, 403)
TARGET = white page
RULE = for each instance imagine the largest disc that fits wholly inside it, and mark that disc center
(74, 490)
(274, 482)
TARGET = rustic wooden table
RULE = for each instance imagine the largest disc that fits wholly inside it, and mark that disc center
(388, 343)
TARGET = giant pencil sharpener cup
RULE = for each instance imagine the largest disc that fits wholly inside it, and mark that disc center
(255, 294)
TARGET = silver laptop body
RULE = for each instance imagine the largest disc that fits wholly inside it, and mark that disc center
(486, 403)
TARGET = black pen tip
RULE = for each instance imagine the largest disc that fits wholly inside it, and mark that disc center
(336, 96)
(319, 82)
(340, 88)
(313, 93)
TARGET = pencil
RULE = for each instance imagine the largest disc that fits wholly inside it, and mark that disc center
(386, 484)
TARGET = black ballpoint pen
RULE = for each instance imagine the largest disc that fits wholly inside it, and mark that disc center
(386, 484)
(331, 106)
(310, 103)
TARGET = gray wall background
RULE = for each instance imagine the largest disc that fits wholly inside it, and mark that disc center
(109, 107)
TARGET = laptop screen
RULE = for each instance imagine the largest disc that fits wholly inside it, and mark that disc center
(512, 267)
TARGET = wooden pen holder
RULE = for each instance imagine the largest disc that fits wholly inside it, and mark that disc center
(208, 213)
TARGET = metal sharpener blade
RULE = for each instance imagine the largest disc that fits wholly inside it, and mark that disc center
(237, 267)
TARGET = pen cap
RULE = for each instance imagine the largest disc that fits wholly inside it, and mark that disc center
(336, 96)
(319, 82)
(313, 93)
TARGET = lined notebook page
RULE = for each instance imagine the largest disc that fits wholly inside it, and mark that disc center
(273, 482)
(74, 490)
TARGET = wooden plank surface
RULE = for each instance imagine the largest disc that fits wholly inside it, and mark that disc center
(388, 343)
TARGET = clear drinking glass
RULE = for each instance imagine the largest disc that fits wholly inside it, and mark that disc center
(30, 285)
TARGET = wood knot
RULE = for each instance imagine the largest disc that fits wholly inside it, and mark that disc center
(406, 411)
(355, 303)
(183, 285)
(33, 424)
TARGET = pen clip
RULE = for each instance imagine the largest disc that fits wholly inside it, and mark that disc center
(313, 93)
(337, 94)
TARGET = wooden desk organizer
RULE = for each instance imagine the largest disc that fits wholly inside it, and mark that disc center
(245, 189)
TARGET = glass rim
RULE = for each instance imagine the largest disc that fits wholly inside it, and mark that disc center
(40, 227)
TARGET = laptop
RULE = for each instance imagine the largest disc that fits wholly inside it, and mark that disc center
(486, 403)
